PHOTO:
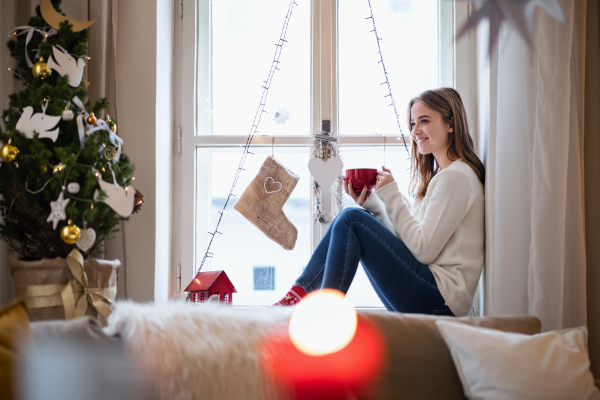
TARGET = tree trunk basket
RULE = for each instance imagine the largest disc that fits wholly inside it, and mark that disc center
(37, 281)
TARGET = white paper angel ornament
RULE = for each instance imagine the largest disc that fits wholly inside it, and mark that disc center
(45, 125)
(118, 198)
(65, 64)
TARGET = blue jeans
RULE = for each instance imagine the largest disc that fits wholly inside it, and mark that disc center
(401, 282)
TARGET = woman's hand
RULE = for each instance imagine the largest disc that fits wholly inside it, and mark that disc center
(359, 199)
(383, 178)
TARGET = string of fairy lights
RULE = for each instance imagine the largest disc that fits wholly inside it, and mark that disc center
(387, 81)
(261, 110)
(255, 123)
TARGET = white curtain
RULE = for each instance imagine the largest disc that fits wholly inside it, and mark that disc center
(535, 251)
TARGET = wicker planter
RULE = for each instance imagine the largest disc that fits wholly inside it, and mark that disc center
(66, 288)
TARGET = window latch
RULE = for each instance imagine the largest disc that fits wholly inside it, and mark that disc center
(179, 140)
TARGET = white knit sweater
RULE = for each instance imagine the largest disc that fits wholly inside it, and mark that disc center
(444, 230)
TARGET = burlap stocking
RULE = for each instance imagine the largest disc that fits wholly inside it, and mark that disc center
(263, 200)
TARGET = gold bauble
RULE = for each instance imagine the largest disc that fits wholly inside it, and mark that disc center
(40, 69)
(92, 119)
(8, 152)
(111, 124)
(45, 73)
(70, 234)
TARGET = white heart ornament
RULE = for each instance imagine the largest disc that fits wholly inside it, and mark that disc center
(325, 173)
(86, 239)
(270, 185)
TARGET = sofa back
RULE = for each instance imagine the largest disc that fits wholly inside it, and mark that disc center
(419, 364)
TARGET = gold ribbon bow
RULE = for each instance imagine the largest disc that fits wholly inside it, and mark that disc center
(74, 296)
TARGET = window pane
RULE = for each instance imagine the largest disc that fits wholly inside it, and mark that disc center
(396, 159)
(409, 32)
(264, 278)
(244, 34)
(242, 247)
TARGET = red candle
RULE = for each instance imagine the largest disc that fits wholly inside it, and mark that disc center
(332, 376)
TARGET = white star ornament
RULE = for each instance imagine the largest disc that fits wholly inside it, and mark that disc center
(58, 210)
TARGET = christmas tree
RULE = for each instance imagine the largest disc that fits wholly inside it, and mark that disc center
(65, 182)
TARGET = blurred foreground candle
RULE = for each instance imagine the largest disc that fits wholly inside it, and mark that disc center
(322, 323)
(328, 352)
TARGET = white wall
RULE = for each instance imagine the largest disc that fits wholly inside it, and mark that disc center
(164, 149)
(143, 91)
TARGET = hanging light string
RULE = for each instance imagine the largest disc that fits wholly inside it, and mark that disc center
(255, 123)
(387, 81)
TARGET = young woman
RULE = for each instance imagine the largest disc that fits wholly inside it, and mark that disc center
(421, 258)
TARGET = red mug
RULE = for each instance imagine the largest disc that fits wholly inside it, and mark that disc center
(361, 177)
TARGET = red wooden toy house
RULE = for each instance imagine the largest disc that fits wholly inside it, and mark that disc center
(208, 284)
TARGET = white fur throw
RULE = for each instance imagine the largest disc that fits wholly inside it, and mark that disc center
(200, 351)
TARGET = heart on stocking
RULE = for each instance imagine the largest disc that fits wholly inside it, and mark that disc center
(87, 239)
(271, 186)
(325, 173)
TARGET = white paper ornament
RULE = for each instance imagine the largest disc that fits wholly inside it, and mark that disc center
(86, 239)
(58, 210)
(325, 173)
(67, 115)
(73, 187)
(40, 122)
(281, 116)
(65, 64)
(118, 198)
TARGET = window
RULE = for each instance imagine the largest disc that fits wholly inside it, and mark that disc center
(329, 70)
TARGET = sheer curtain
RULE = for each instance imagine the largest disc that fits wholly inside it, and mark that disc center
(535, 251)
(592, 178)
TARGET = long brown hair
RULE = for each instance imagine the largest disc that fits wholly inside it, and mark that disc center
(448, 103)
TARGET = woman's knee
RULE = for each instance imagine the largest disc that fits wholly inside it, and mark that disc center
(348, 214)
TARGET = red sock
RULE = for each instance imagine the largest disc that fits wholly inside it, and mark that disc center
(292, 297)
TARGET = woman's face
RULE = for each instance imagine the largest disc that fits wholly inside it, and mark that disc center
(428, 130)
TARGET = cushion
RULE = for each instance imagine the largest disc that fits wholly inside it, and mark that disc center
(419, 362)
(496, 365)
(14, 332)
(85, 328)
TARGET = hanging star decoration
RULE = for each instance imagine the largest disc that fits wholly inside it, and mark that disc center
(281, 116)
(58, 210)
(519, 13)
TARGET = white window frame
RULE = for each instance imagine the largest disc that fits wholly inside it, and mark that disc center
(457, 69)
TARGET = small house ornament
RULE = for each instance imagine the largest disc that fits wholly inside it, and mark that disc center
(211, 286)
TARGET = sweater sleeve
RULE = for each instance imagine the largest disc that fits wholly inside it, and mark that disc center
(375, 206)
(450, 197)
